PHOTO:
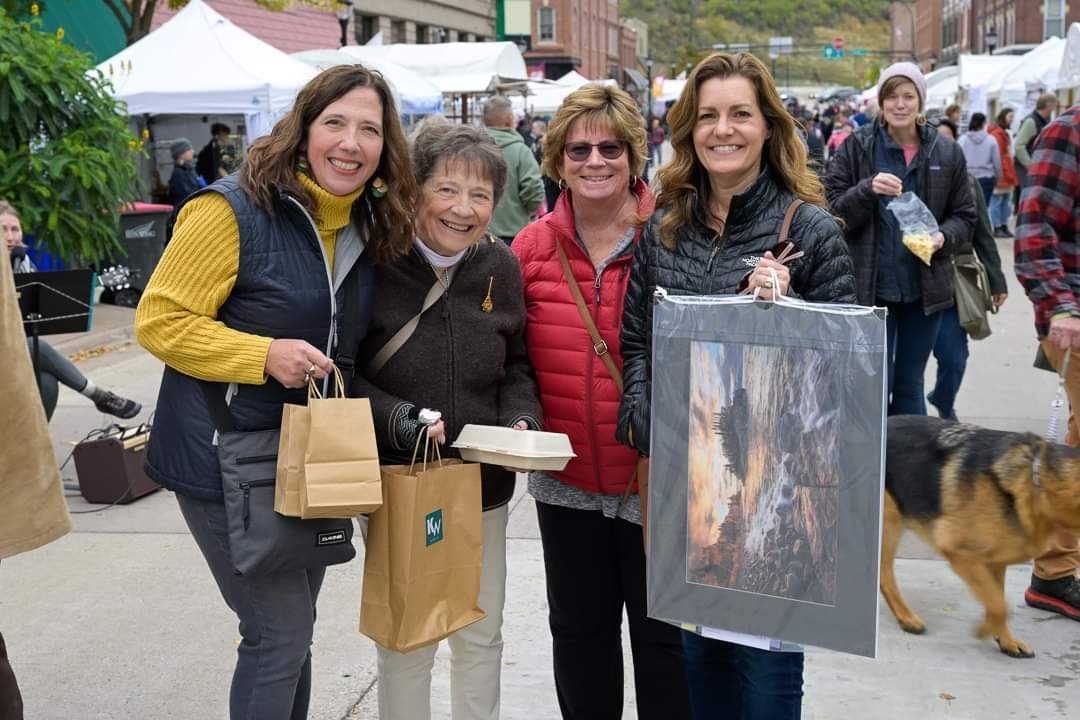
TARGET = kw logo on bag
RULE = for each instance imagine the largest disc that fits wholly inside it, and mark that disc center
(433, 525)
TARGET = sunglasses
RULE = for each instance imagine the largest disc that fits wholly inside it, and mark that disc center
(609, 149)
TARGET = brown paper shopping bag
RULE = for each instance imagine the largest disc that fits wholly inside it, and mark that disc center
(295, 422)
(425, 548)
(341, 475)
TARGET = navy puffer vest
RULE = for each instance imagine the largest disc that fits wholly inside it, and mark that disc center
(282, 290)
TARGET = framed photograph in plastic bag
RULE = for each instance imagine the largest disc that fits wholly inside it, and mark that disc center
(768, 420)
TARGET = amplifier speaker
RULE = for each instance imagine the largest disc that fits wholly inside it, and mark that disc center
(110, 467)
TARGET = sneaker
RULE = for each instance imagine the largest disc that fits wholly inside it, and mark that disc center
(112, 404)
(1061, 596)
(1002, 232)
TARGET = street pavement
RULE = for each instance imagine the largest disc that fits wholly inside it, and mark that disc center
(121, 619)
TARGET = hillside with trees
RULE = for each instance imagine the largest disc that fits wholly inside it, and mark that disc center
(681, 31)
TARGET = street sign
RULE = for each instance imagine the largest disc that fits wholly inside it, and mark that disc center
(780, 45)
(858, 52)
(838, 43)
(830, 53)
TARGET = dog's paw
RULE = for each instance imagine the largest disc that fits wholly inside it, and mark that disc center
(913, 625)
(1015, 648)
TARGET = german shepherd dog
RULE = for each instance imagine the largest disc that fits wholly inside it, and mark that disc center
(971, 494)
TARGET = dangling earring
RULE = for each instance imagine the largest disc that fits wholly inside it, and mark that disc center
(301, 165)
(379, 187)
(633, 181)
(562, 185)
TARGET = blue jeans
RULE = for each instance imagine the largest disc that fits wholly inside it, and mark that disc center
(733, 682)
(987, 184)
(1000, 209)
(272, 680)
(951, 353)
(910, 337)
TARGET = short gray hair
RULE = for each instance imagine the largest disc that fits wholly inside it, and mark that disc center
(442, 142)
(496, 109)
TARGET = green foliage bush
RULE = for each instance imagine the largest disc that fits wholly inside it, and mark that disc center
(68, 161)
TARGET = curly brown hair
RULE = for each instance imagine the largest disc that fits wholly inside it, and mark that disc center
(270, 166)
(684, 182)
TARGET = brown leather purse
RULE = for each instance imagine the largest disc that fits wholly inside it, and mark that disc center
(641, 479)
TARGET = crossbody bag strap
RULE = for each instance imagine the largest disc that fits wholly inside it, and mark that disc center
(599, 346)
(785, 227)
(402, 336)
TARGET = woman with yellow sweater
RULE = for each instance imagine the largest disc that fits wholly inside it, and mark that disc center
(248, 300)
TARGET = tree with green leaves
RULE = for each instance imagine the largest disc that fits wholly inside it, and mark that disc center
(136, 16)
(68, 161)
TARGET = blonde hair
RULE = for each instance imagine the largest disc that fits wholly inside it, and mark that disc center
(684, 182)
(7, 208)
(599, 104)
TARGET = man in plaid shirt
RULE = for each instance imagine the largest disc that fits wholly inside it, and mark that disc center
(1048, 265)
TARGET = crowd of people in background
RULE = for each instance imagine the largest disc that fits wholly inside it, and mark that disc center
(339, 203)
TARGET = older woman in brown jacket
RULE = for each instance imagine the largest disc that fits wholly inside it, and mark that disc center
(32, 508)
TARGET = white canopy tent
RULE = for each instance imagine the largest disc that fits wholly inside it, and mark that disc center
(942, 87)
(1036, 72)
(977, 72)
(1069, 72)
(200, 63)
(414, 94)
(544, 98)
(454, 68)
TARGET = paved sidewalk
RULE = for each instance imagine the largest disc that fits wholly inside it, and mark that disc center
(121, 620)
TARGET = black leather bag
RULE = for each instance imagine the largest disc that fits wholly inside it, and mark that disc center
(262, 542)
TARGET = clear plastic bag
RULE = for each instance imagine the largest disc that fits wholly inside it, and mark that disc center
(917, 225)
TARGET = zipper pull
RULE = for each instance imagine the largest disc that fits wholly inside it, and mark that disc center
(246, 487)
(712, 256)
(596, 287)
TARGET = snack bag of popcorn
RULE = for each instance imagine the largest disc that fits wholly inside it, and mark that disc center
(917, 224)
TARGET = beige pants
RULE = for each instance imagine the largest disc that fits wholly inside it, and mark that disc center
(1063, 557)
(404, 679)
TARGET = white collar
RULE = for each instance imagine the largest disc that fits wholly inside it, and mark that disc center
(437, 260)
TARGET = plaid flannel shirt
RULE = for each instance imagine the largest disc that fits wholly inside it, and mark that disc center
(1048, 226)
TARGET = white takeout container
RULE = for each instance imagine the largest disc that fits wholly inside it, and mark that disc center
(521, 449)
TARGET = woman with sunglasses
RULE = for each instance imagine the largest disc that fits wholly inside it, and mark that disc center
(590, 523)
(738, 165)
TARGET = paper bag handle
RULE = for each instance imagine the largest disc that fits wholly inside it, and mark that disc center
(339, 386)
(423, 435)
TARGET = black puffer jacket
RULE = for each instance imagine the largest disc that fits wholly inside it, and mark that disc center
(703, 263)
(942, 185)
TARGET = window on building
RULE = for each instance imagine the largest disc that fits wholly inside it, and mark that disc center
(422, 34)
(613, 40)
(547, 24)
(397, 31)
(365, 28)
(1054, 15)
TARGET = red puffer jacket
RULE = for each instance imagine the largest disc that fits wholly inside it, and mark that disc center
(1008, 169)
(577, 392)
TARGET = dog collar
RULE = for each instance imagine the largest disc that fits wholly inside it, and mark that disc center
(1035, 463)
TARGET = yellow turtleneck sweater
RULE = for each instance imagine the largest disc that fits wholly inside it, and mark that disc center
(177, 315)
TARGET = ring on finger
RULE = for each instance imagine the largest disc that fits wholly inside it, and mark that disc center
(768, 284)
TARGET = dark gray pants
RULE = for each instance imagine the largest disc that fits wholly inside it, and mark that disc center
(272, 680)
(54, 368)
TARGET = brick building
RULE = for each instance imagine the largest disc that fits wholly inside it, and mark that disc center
(945, 29)
(582, 35)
